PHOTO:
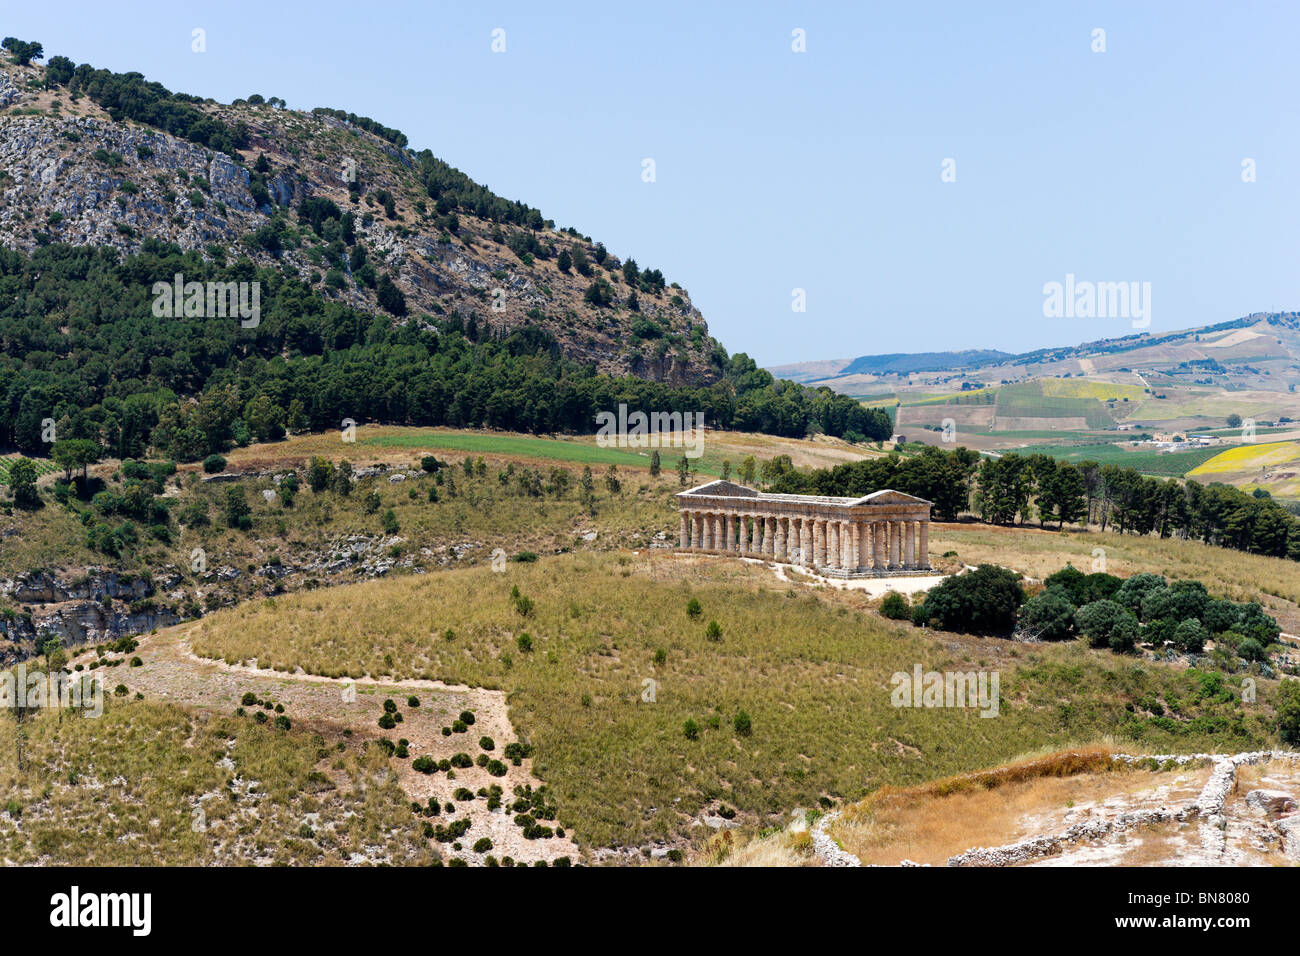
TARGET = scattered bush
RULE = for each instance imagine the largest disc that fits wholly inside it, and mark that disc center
(895, 606)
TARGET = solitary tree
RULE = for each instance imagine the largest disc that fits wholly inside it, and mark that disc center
(22, 481)
(22, 52)
(73, 453)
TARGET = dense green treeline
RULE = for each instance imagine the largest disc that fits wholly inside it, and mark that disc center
(131, 96)
(83, 348)
(1014, 489)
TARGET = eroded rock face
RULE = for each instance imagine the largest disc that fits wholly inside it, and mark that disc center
(41, 587)
(1289, 827)
(8, 92)
(1273, 802)
(96, 607)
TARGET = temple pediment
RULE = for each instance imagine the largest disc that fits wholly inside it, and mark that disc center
(887, 496)
(728, 489)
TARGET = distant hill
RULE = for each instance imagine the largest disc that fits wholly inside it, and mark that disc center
(1260, 351)
(904, 362)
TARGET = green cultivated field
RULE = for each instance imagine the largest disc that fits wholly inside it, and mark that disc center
(43, 467)
(1160, 464)
(548, 449)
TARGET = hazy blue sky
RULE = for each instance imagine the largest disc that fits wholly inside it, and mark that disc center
(818, 170)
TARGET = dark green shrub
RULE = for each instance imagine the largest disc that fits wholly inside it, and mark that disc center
(895, 606)
(1048, 616)
(983, 601)
(1103, 620)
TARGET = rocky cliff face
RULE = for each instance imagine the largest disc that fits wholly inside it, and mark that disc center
(92, 608)
(69, 173)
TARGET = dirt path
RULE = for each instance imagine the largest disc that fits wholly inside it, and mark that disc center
(346, 711)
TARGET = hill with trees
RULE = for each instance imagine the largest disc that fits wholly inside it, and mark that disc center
(390, 286)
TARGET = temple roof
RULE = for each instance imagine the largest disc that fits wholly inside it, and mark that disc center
(730, 489)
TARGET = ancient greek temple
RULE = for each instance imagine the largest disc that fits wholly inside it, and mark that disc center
(885, 532)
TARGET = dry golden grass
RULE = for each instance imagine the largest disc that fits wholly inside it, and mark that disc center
(790, 847)
(933, 822)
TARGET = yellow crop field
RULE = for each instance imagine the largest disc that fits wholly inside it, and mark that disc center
(1248, 458)
(1089, 388)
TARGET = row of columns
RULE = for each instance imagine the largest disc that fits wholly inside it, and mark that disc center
(886, 544)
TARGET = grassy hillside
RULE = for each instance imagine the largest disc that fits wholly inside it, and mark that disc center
(151, 783)
(810, 669)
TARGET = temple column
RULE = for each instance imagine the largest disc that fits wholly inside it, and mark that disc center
(683, 536)
(818, 543)
(909, 544)
(895, 541)
(832, 544)
(877, 546)
(778, 541)
(729, 533)
(924, 545)
(855, 536)
(805, 541)
(768, 543)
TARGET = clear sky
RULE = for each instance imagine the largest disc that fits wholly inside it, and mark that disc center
(820, 170)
